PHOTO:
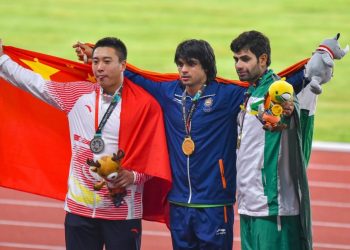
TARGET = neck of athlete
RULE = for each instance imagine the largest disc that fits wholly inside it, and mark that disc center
(193, 89)
(111, 90)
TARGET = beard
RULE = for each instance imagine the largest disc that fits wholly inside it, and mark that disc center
(250, 76)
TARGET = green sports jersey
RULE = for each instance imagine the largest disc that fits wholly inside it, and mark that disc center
(271, 166)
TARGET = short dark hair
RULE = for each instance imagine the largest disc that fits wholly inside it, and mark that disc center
(254, 41)
(200, 50)
(113, 42)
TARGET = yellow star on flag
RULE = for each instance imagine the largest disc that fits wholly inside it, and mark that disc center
(44, 70)
(91, 78)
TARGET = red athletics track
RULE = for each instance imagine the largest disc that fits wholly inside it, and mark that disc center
(32, 222)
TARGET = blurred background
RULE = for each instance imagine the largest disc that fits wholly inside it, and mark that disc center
(152, 29)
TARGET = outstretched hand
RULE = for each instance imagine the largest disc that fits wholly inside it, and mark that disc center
(288, 108)
(83, 51)
(277, 128)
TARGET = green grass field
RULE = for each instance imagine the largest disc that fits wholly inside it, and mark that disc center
(152, 29)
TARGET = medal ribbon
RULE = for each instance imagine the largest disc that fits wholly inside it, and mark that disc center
(241, 116)
(187, 118)
(265, 79)
(116, 99)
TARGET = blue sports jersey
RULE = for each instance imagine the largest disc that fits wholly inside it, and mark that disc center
(208, 176)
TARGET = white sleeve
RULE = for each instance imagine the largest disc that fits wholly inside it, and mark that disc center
(26, 79)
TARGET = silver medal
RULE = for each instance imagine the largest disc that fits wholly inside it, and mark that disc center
(97, 145)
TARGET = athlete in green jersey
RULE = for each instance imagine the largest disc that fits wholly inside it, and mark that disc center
(272, 190)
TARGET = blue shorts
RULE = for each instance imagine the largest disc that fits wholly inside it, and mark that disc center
(83, 233)
(201, 228)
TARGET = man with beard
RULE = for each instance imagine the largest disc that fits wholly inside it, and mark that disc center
(272, 189)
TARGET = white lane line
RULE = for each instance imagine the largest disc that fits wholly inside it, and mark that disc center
(237, 239)
(331, 246)
(329, 184)
(330, 204)
(18, 202)
(30, 246)
(58, 205)
(331, 224)
(331, 146)
(146, 232)
(156, 233)
(330, 167)
(31, 224)
(61, 226)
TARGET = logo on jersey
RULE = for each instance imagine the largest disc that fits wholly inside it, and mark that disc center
(208, 103)
(175, 99)
(88, 107)
(221, 231)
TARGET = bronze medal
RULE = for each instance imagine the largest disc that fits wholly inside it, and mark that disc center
(188, 146)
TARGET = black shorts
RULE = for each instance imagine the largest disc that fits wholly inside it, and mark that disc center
(83, 233)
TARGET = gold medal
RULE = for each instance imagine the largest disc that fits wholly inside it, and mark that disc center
(188, 146)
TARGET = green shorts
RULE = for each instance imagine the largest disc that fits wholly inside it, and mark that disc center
(271, 233)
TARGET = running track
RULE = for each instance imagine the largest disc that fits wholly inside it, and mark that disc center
(32, 222)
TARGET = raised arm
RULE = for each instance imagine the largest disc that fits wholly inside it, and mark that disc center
(155, 88)
(24, 78)
(61, 95)
(298, 80)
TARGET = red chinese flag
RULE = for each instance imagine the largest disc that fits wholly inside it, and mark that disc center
(35, 140)
(34, 137)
